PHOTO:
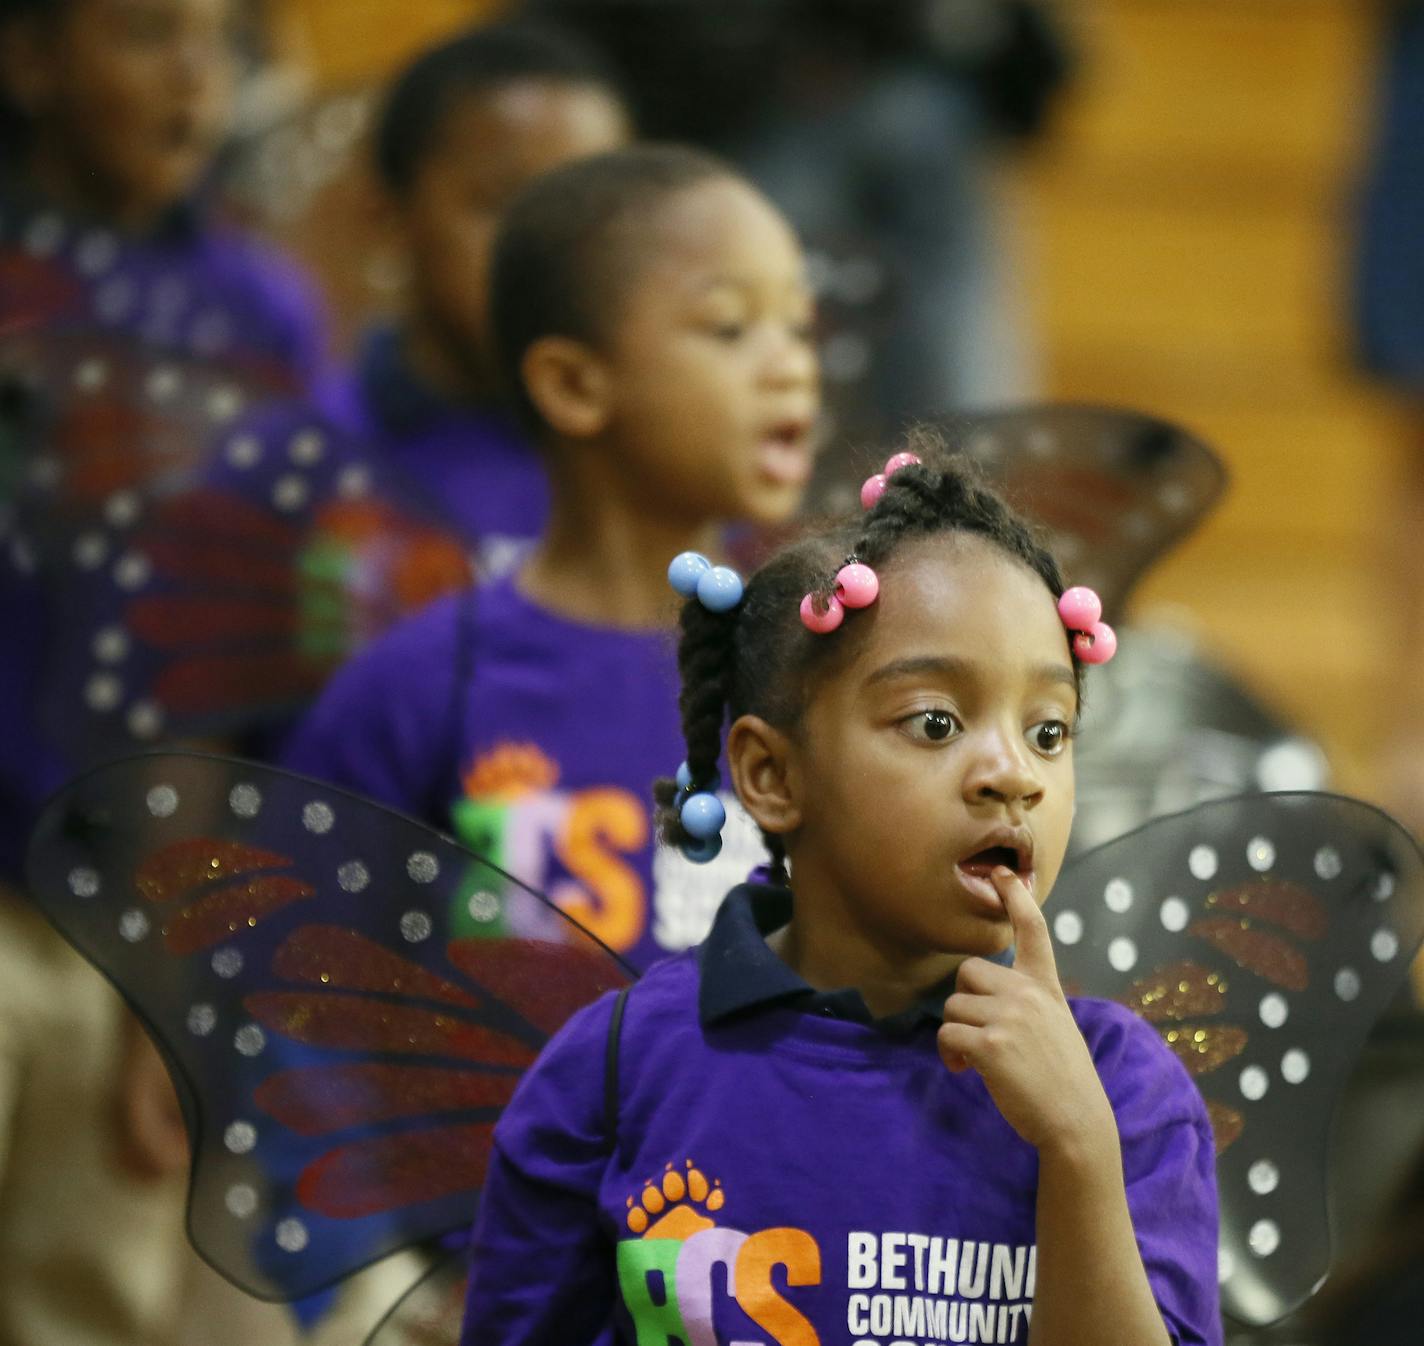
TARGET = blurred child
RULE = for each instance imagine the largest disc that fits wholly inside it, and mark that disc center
(463, 130)
(844, 1117)
(111, 112)
(654, 309)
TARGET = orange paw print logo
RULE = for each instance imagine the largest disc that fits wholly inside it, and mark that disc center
(668, 1209)
(509, 771)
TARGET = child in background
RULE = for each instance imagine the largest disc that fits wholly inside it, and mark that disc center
(463, 130)
(844, 1118)
(655, 310)
(111, 112)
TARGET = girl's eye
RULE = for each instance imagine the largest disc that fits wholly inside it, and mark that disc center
(1049, 737)
(930, 726)
(728, 331)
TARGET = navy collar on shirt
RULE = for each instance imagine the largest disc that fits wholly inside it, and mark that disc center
(739, 972)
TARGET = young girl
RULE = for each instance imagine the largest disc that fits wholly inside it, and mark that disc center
(111, 112)
(655, 310)
(863, 1110)
(463, 130)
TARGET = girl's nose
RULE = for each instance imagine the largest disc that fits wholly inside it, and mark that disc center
(1002, 769)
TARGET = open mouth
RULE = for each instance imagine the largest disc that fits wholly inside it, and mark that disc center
(975, 870)
(784, 453)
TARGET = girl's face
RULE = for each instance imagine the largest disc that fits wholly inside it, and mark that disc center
(489, 147)
(714, 378)
(130, 99)
(943, 734)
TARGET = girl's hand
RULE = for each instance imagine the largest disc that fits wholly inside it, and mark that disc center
(1013, 1025)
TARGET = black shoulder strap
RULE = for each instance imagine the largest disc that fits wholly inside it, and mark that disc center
(610, 1069)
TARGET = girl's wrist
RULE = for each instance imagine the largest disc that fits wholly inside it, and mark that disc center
(1087, 1141)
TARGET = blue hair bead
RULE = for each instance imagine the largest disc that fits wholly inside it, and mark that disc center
(685, 569)
(683, 777)
(700, 852)
(719, 589)
(702, 816)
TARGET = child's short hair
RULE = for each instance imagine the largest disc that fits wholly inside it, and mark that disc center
(473, 63)
(759, 659)
(568, 246)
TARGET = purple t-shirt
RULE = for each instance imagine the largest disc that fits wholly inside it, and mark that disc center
(489, 478)
(535, 740)
(799, 1178)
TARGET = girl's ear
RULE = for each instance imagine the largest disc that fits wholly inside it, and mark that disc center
(570, 385)
(766, 774)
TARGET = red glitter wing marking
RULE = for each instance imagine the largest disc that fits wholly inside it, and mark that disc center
(214, 515)
(318, 1100)
(389, 1172)
(169, 623)
(176, 870)
(1203, 1048)
(223, 682)
(356, 1024)
(197, 560)
(216, 915)
(1226, 1124)
(1181, 990)
(544, 981)
(1259, 951)
(345, 960)
(1288, 905)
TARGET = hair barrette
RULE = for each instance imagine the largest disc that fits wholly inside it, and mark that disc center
(874, 487)
(717, 588)
(856, 586)
(1094, 641)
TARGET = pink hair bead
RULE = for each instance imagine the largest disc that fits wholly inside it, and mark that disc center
(857, 585)
(872, 490)
(1096, 645)
(1080, 608)
(894, 463)
(822, 623)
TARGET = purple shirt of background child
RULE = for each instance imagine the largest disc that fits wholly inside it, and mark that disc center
(773, 1170)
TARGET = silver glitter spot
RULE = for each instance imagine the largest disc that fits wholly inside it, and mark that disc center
(83, 881)
(1263, 1177)
(223, 404)
(90, 375)
(96, 253)
(318, 817)
(132, 571)
(1328, 863)
(483, 906)
(133, 925)
(1347, 984)
(1040, 443)
(111, 645)
(1202, 862)
(1174, 497)
(1274, 1010)
(241, 1200)
(163, 383)
(307, 447)
(291, 1236)
(202, 1019)
(22, 556)
(845, 357)
(1260, 854)
(1122, 954)
(1225, 1265)
(240, 1137)
(145, 719)
(243, 451)
(1118, 895)
(1068, 927)
(1254, 1082)
(1384, 886)
(249, 1039)
(245, 800)
(91, 550)
(416, 926)
(227, 963)
(103, 692)
(1295, 1066)
(122, 508)
(162, 801)
(1264, 1238)
(1174, 914)
(1384, 944)
(354, 481)
(422, 867)
(290, 493)
(45, 472)
(44, 235)
(353, 876)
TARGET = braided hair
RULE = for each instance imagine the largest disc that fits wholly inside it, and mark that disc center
(759, 659)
